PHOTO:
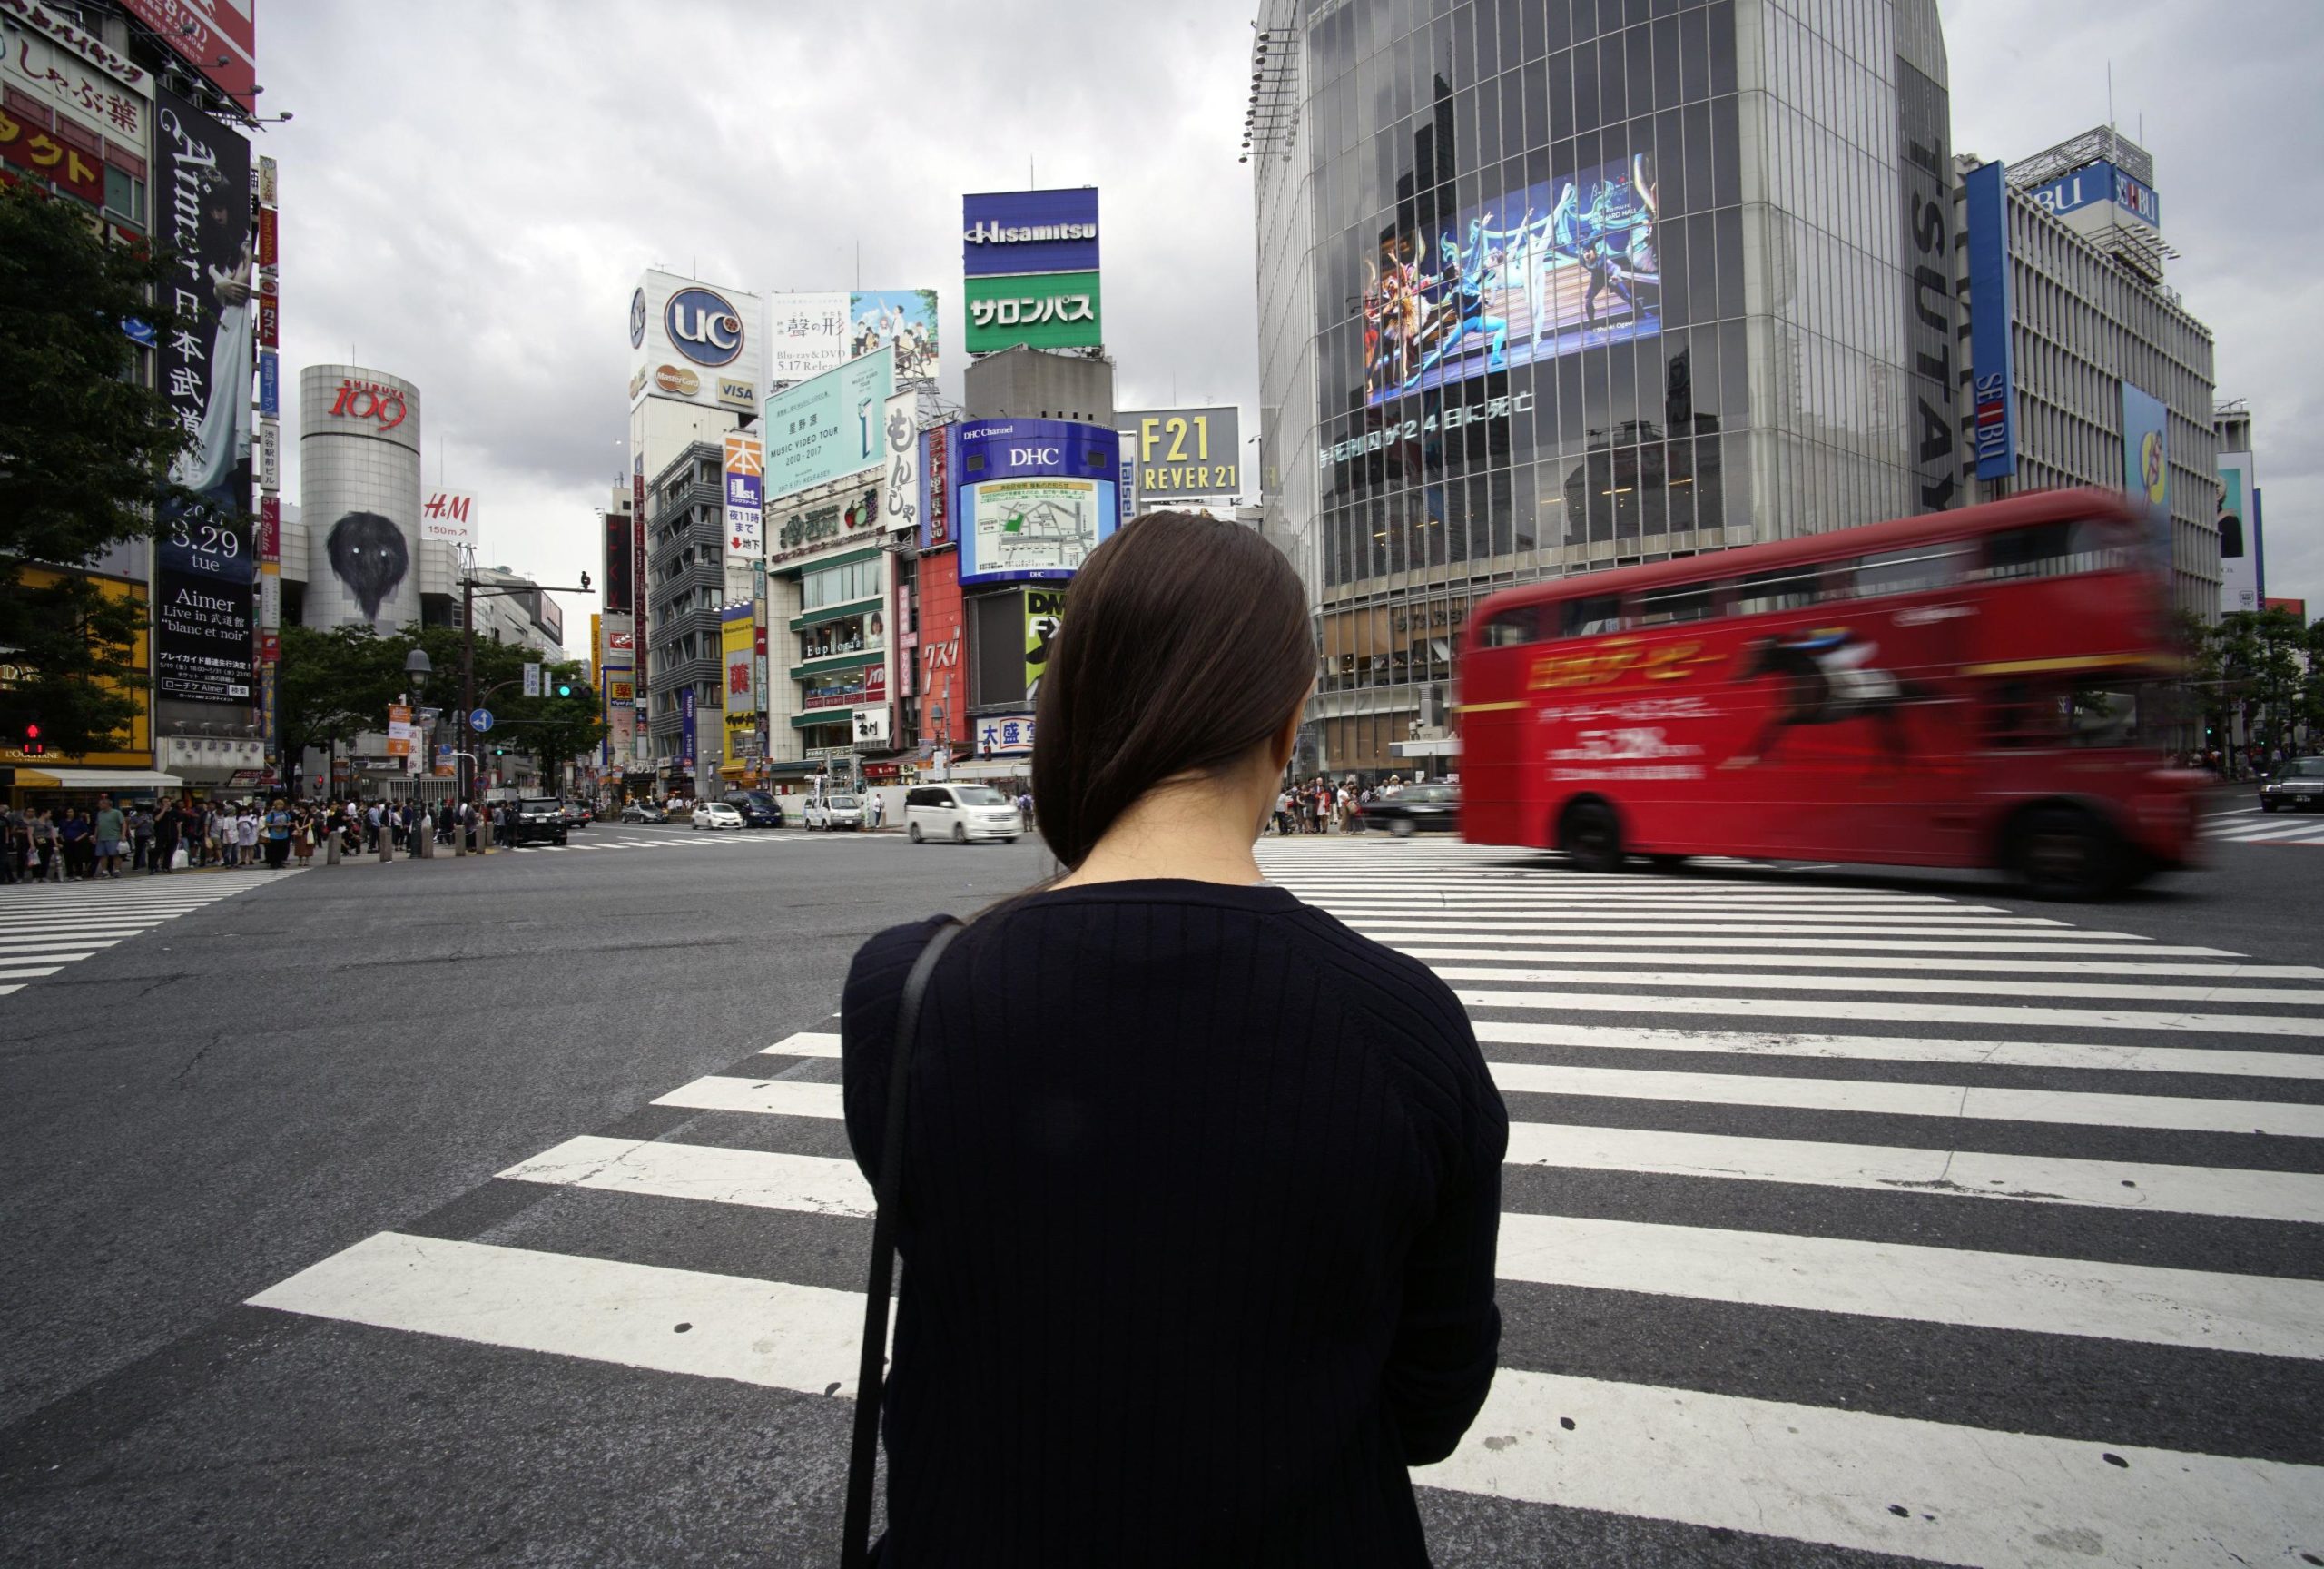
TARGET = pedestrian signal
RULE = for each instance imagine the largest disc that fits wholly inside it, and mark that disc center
(34, 746)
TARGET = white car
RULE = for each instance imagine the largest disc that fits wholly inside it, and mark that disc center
(835, 812)
(960, 812)
(716, 814)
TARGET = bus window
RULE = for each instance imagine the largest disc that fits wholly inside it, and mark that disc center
(2051, 550)
(1683, 602)
(1792, 588)
(1908, 571)
(1517, 625)
(1591, 615)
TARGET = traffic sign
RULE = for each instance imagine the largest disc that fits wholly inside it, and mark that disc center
(480, 720)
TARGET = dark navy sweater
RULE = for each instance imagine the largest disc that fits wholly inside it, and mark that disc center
(1200, 1198)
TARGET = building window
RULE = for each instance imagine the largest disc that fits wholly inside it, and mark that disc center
(839, 585)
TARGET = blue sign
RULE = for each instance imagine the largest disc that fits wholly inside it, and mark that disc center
(270, 383)
(1032, 497)
(1993, 381)
(704, 326)
(2146, 462)
(480, 720)
(686, 726)
(138, 330)
(2096, 182)
(1010, 231)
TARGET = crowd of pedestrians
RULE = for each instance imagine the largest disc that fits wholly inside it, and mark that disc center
(110, 839)
(1319, 806)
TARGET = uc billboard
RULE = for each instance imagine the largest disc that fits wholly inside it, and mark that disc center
(1031, 497)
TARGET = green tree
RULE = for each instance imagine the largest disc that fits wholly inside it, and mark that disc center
(334, 686)
(84, 451)
(554, 730)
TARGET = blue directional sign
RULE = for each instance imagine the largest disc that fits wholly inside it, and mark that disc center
(480, 720)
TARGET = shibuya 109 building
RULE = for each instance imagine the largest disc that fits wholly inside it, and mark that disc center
(1549, 286)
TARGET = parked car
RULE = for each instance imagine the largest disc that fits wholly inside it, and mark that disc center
(644, 812)
(1415, 809)
(2298, 785)
(960, 812)
(577, 814)
(716, 814)
(835, 812)
(540, 820)
(758, 809)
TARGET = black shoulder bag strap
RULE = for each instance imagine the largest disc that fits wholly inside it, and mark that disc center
(855, 1548)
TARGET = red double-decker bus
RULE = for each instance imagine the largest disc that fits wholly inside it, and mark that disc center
(1981, 688)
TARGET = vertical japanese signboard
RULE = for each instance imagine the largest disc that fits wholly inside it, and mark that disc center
(203, 556)
(745, 476)
(1992, 365)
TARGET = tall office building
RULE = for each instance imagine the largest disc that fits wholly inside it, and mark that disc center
(1547, 289)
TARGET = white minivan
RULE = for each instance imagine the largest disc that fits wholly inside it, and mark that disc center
(960, 812)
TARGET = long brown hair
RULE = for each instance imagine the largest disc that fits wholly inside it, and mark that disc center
(1186, 642)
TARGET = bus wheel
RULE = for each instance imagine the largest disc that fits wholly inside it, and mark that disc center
(1591, 836)
(1667, 863)
(2065, 852)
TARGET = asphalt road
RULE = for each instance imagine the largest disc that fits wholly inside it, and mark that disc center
(247, 1095)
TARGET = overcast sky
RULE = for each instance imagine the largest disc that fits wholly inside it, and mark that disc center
(470, 193)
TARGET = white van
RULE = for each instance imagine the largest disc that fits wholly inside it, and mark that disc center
(960, 812)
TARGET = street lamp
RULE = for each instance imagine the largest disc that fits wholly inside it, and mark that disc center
(417, 668)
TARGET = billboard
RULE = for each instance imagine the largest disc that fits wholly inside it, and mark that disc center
(940, 679)
(1569, 262)
(448, 516)
(1044, 616)
(904, 319)
(2099, 182)
(204, 567)
(2239, 534)
(1991, 308)
(73, 74)
(218, 38)
(744, 468)
(736, 646)
(829, 425)
(900, 433)
(1183, 452)
(1042, 309)
(694, 342)
(1034, 496)
(940, 460)
(1006, 232)
(806, 335)
(2146, 462)
(616, 573)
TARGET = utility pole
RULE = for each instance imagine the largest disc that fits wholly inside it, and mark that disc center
(470, 586)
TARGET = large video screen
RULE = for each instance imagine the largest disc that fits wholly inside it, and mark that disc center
(1569, 263)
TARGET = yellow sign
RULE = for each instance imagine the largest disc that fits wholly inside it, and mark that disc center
(737, 638)
(139, 752)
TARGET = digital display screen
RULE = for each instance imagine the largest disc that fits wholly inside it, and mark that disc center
(1569, 263)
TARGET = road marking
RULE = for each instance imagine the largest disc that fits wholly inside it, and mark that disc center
(1519, 944)
(1876, 1484)
(1894, 1099)
(2257, 1315)
(2290, 1196)
(29, 974)
(1900, 1049)
(1738, 1008)
(1448, 924)
(1582, 915)
(765, 1332)
(806, 1043)
(2135, 965)
(768, 1096)
(2294, 996)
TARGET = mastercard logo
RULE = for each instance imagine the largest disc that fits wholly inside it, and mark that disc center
(671, 378)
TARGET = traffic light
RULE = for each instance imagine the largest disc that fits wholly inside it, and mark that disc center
(34, 746)
(565, 688)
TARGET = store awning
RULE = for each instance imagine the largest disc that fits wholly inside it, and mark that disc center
(837, 613)
(96, 779)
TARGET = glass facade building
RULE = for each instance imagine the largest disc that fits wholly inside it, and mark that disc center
(1552, 286)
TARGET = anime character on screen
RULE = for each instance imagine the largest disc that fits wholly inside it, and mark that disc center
(1826, 678)
(1470, 274)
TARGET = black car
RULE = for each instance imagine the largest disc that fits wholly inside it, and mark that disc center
(1415, 809)
(540, 820)
(577, 814)
(2298, 785)
(758, 808)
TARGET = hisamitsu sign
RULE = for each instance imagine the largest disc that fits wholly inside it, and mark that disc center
(1006, 232)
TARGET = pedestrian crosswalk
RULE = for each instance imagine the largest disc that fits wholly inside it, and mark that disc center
(667, 841)
(45, 926)
(2252, 825)
(1875, 1221)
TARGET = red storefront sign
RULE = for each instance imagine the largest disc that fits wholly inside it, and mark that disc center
(46, 156)
(942, 687)
(266, 227)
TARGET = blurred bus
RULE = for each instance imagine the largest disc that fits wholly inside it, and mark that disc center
(1980, 687)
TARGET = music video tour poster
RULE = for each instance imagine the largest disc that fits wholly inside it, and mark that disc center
(205, 564)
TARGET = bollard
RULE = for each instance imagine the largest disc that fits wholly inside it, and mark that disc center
(387, 844)
(331, 846)
(427, 832)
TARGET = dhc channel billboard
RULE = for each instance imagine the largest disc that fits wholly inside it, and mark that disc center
(1032, 498)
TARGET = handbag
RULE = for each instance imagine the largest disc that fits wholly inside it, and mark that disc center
(871, 1379)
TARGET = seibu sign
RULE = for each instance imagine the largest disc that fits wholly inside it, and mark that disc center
(369, 401)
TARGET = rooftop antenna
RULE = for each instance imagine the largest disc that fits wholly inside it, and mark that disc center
(1028, 174)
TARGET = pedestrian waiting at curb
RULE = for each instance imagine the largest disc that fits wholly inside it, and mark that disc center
(1276, 1365)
